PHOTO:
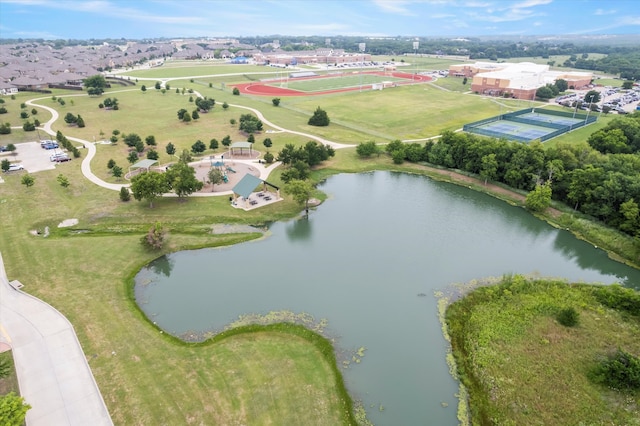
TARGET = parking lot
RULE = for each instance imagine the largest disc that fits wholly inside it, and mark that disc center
(32, 156)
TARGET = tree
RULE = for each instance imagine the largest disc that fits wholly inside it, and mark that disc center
(186, 118)
(133, 157)
(198, 147)
(251, 138)
(236, 91)
(214, 177)
(24, 114)
(13, 409)
(592, 96)
(267, 143)
(301, 192)
(205, 104)
(95, 81)
(111, 103)
(152, 154)
(3, 110)
(299, 170)
(116, 171)
(157, 85)
(132, 139)
(143, 88)
(195, 115)
(80, 121)
(213, 144)
(181, 113)
(367, 149)
(5, 129)
(63, 180)
(170, 149)
(93, 91)
(12, 148)
(150, 140)
(154, 239)
(5, 164)
(627, 85)
(319, 118)
(225, 106)
(250, 123)
(545, 92)
(185, 157)
(226, 141)
(489, 168)
(149, 186)
(182, 179)
(268, 158)
(28, 180)
(28, 126)
(125, 195)
(562, 85)
(70, 118)
(539, 198)
(275, 101)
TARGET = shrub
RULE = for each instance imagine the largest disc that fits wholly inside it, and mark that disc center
(268, 158)
(236, 91)
(154, 239)
(620, 371)
(568, 317)
(125, 195)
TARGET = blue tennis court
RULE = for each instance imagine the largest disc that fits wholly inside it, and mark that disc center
(529, 124)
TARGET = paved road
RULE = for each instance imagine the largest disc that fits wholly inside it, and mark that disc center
(54, 376)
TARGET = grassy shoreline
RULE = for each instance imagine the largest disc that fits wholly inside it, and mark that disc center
(521, 366)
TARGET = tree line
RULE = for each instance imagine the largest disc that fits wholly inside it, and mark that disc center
(599, 177)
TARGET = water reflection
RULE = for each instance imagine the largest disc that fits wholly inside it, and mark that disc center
(299, 229)
(162, 266)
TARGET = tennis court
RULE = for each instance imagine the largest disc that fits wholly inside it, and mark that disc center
(529, 124)
(546, 118)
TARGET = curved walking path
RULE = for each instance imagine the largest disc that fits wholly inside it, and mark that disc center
(91, 148)
(53, 373)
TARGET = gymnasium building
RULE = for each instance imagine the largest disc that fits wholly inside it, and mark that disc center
(517, 80)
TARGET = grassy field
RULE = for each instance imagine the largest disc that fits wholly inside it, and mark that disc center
(147, 377)
(516, 359)
(338, 82)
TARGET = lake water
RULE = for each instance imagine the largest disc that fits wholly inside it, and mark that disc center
(369, 261)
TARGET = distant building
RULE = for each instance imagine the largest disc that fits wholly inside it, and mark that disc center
(518, 80)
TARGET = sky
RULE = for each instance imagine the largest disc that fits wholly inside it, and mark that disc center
(137, 19)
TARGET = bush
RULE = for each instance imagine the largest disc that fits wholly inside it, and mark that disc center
(268, 158)
(568, 317)
(125, 195)
(619, 371)
(154, 239)
(319, 118)
(236, 91)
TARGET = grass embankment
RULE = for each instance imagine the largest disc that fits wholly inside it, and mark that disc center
(522, 367)
(8, 378)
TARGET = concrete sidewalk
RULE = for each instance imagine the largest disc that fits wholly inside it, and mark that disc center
(53, 374)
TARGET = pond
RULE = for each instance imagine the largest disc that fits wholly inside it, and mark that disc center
(369, 261)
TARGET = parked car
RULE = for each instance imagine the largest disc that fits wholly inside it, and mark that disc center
(50, 145)
(15, 167)
(3, 148)
(60, 157)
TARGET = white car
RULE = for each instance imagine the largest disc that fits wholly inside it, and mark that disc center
(15, 167)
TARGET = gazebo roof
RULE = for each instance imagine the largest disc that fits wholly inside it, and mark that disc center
(247, 184)
(241, 145)
(143, 164)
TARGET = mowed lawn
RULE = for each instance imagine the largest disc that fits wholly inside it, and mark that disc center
(335, 82)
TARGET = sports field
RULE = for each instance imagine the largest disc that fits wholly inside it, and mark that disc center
(332, 83)
(516, 130)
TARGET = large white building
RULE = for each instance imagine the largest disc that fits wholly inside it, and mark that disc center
(518, 80)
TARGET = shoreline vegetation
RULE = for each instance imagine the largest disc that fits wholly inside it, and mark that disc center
(519, 364)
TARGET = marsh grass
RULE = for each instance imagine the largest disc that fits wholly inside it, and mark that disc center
(522, 367)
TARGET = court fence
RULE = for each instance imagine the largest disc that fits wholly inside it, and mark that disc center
(556, 129)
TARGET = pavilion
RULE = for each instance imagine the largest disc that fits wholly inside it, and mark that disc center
(243, 193)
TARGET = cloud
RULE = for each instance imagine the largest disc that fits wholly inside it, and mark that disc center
(393, 6)
(601, 12)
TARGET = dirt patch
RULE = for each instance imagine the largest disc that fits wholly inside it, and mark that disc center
(68, 222)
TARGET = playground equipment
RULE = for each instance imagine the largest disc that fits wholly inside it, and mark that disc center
(229, 169)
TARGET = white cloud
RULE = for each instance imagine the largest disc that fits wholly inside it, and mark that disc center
(601, 12)
(393, 6)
